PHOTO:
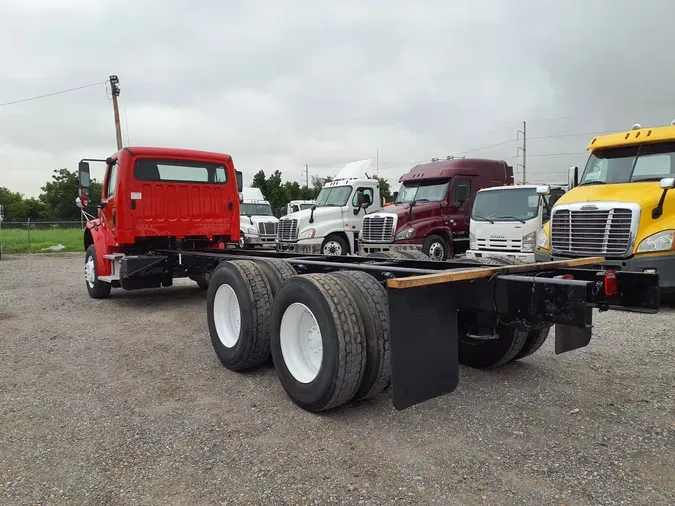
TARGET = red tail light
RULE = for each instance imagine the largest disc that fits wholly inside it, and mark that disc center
(567, 276)
(611, 283)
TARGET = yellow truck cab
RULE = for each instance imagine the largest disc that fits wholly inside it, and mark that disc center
(620, 207)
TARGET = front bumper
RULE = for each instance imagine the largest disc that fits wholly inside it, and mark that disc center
(366, 248)
(306, 247)
(526, 258)
(268, 239)
(252, 240)
(663, 265)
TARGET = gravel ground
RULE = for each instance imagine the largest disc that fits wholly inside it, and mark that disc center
(123, 401)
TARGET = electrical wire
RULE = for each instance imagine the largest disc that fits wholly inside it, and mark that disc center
(52, 94)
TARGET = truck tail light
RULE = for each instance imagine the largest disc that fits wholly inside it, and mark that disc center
(611, 283)
(564, 276)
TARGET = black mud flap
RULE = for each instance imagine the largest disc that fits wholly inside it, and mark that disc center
(570, 337)
(424, 343)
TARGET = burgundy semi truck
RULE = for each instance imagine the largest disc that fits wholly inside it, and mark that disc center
(432, 208)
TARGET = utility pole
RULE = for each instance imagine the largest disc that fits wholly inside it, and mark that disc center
(307, 175)
(523, 149)
(115, 90)
(377, 162)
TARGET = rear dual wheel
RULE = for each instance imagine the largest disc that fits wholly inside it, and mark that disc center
(330, 339)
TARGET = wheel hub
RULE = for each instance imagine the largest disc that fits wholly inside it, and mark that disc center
(332, 248)
(436, 252)
(301, 343)
(89, 272)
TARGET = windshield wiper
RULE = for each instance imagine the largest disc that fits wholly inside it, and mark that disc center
(653, 178)
(422, 200)
(482, 218)
(513, 218)
(592, 182)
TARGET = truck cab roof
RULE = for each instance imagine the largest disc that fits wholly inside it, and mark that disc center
(441, 169)
(174, 153)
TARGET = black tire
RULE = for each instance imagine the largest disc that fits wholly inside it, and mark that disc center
(535, 340)
(430, 248)
(373, 305)
(99, 289)
(202, 281)
(415, 254)
(276, 270)
(251, 347)
(339, 240)
(343, 359)
(394, 255)
(489, 353)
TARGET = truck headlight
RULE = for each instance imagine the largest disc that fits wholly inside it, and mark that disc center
(661, 241)
(542, 241)
(527, 246)
(307, 234)
(473, 243)
(251, 230)
(406, 233)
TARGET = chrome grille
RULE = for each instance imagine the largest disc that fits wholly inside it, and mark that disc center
(378, 229)
(492, 244)
(269, 228)
(287, 230)
(592, 232)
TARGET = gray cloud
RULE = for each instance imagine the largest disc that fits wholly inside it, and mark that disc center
(282, 84)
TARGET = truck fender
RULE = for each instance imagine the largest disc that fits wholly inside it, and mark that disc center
(446, 233)
(93, 234)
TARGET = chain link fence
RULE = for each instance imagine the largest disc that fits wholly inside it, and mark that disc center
(32, 236)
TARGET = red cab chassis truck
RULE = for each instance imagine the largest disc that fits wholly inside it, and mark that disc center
(338, 329)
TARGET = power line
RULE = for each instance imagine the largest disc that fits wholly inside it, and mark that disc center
(53, 94)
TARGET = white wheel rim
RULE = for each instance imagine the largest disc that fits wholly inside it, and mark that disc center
(436, 251)
(332, 248)
(301, 344)
(90, 272)
(227, 315)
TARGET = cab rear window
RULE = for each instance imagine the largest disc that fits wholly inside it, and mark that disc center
(179, 171)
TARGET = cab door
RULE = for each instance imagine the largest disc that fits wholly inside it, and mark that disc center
(460, 207)
(108, 211)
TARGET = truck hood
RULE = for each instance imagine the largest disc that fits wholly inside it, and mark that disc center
(646, 194)
(255, 219)
(402, 210)
(320, 214)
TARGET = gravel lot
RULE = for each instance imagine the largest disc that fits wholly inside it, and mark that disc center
(123, 401)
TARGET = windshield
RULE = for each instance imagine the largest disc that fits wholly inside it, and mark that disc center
(506, 205)
(333, 196)
(645, 162)
(428, 191)
(255, 209)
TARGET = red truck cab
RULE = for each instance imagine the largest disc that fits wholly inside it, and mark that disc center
(157, 198)
(432, 208)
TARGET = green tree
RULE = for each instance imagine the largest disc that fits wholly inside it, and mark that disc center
(318, 182)
(13, 202)
(385, 189)
(59, 195)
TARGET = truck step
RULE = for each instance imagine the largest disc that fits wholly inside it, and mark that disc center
(109, 279)
(113, 256)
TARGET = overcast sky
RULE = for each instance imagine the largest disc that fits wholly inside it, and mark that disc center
(281, 84)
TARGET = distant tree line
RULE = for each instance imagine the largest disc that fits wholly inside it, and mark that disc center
(55, 203)
(57, 198)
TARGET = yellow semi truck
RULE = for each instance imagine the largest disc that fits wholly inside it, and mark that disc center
(620, 206)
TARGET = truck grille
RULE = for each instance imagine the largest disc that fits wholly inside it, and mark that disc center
(287, 230)
(592, 232)
(378, 229)
(492, 244)
(269, 228)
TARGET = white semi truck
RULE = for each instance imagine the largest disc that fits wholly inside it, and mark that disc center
(505, 221)
(257, 224)
(298, 205)
(332, 225)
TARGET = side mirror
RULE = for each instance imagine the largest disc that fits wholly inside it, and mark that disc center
(85, 182)
(240, 181)
(241, 198)
(395, 196)
(543, 190)
(359, 199)
(572, 177)
(667, 183)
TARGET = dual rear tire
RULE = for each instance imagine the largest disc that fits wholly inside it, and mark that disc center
(328, 334)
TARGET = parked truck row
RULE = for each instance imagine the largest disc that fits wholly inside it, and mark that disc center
(340, 328)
